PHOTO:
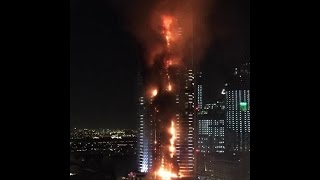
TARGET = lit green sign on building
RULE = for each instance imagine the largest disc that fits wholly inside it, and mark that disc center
(243, 106)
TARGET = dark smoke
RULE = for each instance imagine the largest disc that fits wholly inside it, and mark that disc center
(142, 19)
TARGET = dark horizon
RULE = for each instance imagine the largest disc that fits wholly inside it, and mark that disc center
(105, 56)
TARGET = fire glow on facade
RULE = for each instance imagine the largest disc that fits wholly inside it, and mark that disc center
(169, 109)
(167, 106)
(165, 144)
(172, 139)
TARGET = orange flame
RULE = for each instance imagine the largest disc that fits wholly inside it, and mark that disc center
(169, 87)
(172, 139)
(167, 21)
(165, 171)
(165, 174)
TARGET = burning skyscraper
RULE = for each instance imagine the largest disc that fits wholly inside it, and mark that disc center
(167, 102)
(166, 110)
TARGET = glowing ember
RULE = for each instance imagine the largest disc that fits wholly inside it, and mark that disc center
(154, 92)
(169, 87)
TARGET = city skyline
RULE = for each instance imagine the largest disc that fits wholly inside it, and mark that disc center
(213, 151)
(101, 74)
(162, 83)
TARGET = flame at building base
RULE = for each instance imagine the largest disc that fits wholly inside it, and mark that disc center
(165, 174)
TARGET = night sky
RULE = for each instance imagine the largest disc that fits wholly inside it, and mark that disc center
(104, 57)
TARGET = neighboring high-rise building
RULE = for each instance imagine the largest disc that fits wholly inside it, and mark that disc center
(210, 137)
(143, 130)
(224, 166)
(211, 128)
(218, 126)
(199, 91)
(198, 105)
(238, 110)
(223, 131)
(186, 128)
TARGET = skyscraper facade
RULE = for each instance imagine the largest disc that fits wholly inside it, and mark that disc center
(238, 110)
(199, 91)
(148, 136)
(211, 128)
(210, 133)
(223, 131)
(144, 155)
(167, 107)
(186, 127)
